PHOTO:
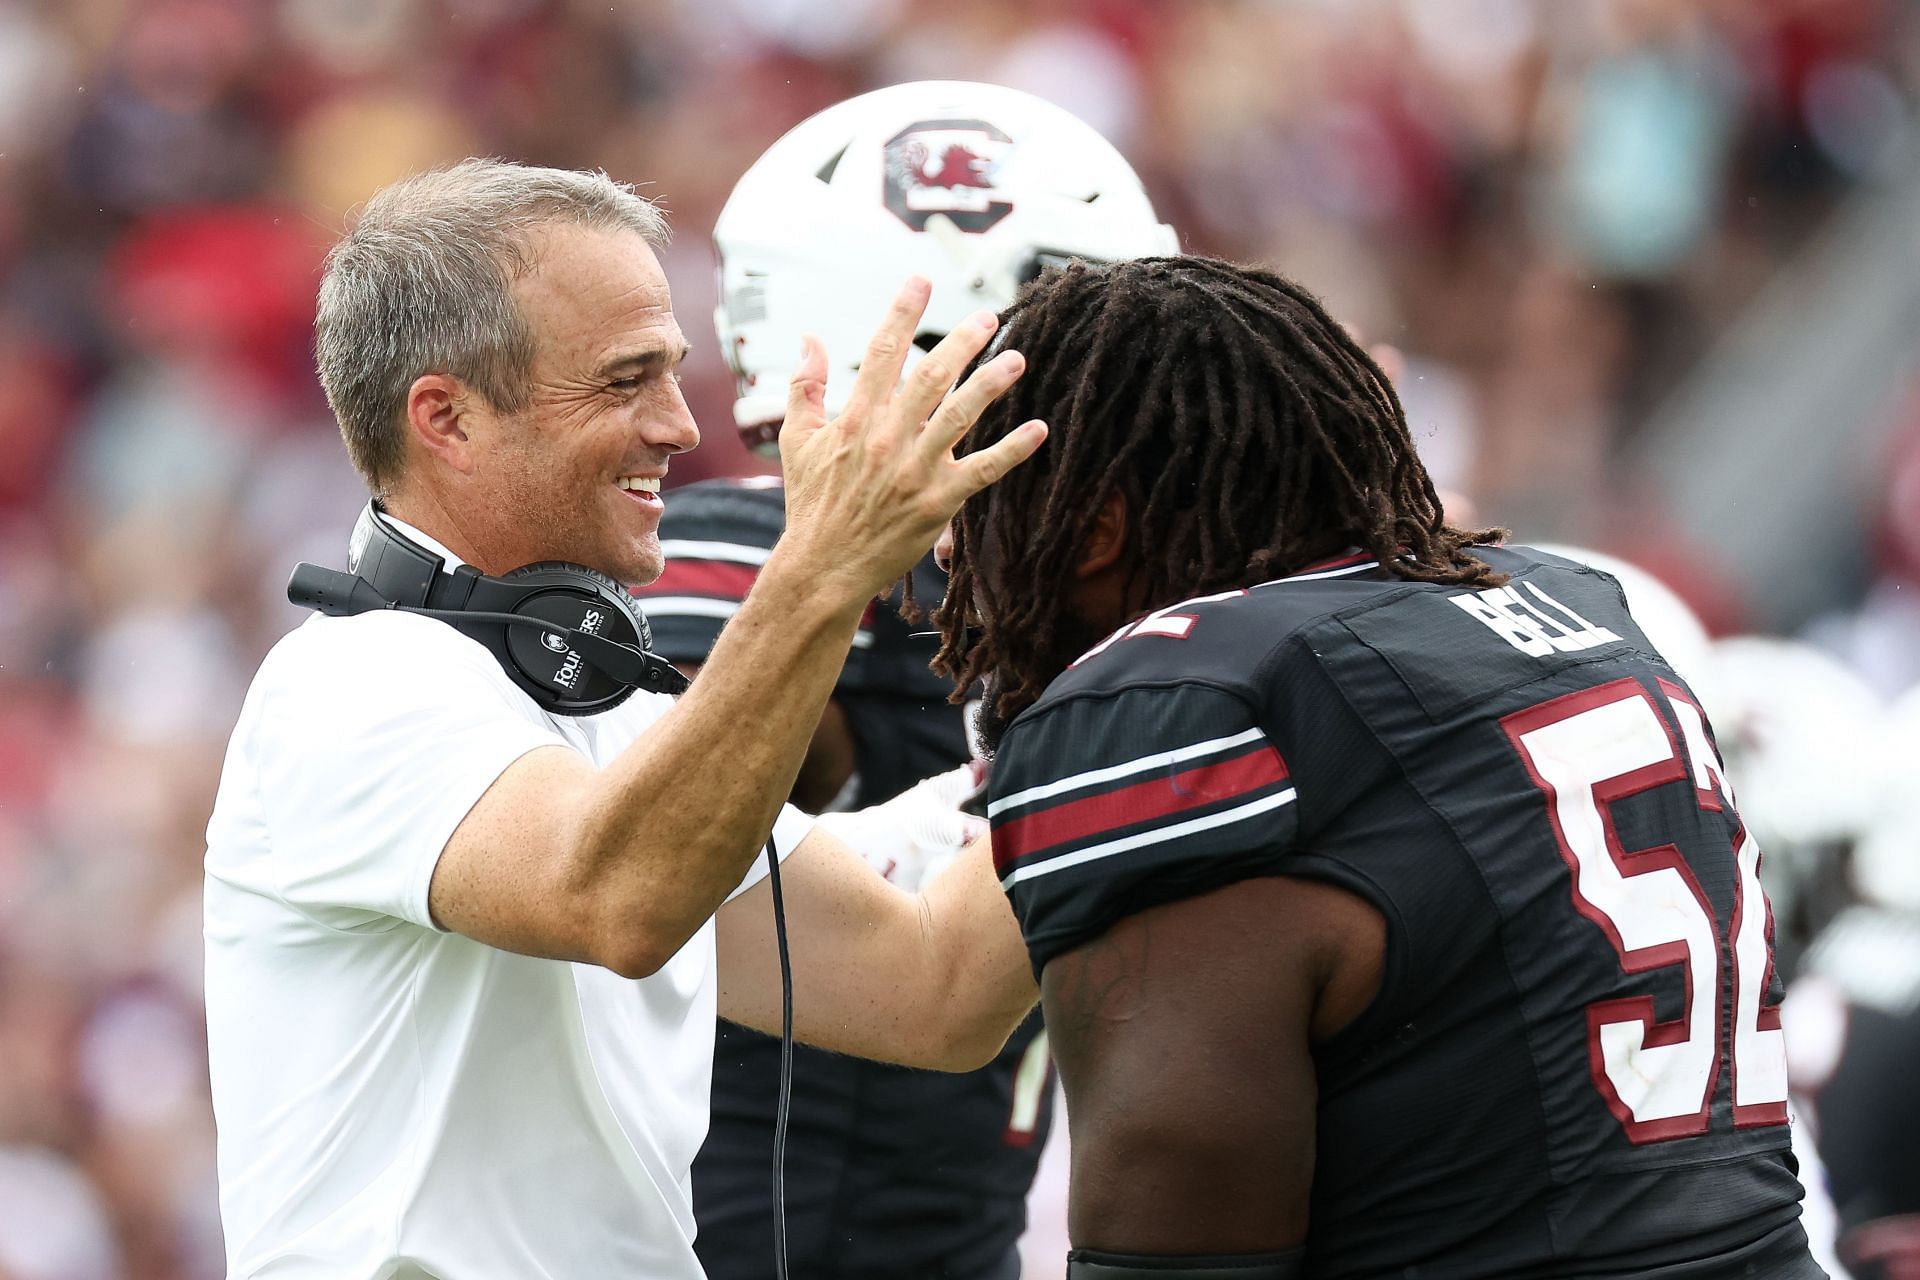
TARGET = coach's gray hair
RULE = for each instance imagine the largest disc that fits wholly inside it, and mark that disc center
(422, 284)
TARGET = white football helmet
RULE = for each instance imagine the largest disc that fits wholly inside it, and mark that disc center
(1801, 736)
(1886, 865)
(977, 187)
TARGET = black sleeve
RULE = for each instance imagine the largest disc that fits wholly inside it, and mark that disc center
(1105, 805)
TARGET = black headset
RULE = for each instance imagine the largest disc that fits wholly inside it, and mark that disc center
(572, 638)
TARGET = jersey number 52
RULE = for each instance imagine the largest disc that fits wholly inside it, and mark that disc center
(1587, 751)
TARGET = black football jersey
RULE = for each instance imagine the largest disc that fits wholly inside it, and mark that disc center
(1574, 1064)
(892, 1174)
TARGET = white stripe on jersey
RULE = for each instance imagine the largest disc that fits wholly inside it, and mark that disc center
(1324, 573)
(1093, 777)
(688, 607)
(728, 552)
(1159, 835)
(709, 607)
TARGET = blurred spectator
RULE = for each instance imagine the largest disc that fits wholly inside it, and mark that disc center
(1549, 210)
(1881, 638)
(52, 1223)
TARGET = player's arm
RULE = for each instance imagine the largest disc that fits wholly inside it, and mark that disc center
(619, 866)
(934, 979)
(1184, 1036)
(1145, 832)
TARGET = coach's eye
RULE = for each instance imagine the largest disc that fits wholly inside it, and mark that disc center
(624, 384)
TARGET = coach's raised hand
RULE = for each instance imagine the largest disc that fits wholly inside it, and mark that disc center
(868, 492)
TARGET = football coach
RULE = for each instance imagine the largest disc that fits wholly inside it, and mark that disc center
(465, 943)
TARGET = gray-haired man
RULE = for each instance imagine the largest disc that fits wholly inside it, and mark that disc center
(463, 955)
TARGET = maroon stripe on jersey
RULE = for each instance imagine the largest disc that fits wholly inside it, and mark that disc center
(702, 578)
(1142, 802)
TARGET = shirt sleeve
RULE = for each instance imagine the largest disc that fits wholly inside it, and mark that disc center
(377, 735)
(789, 829)
(1107, 805)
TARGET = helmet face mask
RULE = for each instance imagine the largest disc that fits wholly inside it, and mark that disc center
(977, 187)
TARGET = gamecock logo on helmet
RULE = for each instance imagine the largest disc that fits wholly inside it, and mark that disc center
(946, 166)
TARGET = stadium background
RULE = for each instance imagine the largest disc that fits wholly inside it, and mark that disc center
(1650, 263)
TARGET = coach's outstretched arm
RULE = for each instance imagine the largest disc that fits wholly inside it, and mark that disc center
(620, 866)
(935, 979)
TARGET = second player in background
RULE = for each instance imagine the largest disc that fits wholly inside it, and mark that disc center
(891, 1172)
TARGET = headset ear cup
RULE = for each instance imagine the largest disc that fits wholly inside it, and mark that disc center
(611, 591)
(619, 619)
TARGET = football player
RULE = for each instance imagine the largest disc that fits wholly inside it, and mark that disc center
(1391, 911)
(891, 1173)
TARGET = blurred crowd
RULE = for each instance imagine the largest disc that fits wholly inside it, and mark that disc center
(1550, 210)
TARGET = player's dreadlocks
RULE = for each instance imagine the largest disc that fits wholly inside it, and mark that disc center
(1251, 435)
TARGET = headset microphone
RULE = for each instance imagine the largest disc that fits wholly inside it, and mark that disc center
(336, 594)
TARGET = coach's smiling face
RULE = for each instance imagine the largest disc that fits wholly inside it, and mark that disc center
(576, 474)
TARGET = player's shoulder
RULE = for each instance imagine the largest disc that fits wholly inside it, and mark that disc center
(1535, 578)
(1250, 641)
(704, 519)
(1197, 683)
(1518, 559)
(1225, 639)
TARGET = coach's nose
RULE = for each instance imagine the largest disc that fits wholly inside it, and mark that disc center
(943, 549)
(679, 432)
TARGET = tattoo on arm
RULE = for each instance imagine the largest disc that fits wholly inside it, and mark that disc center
(1102, 982)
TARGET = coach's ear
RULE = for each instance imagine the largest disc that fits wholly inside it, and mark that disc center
(1106, 540)
(441, 412)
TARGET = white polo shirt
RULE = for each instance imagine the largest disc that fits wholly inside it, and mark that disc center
(397, 1101)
